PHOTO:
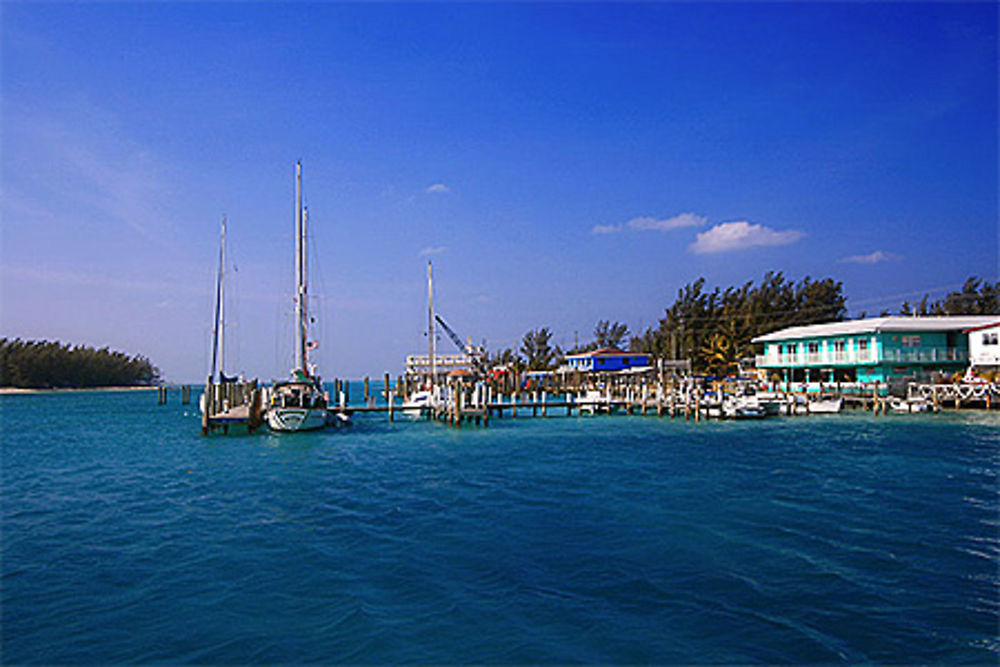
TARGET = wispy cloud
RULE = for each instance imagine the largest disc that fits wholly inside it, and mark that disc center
(730, 236)
(84, 163)
(433, 250)
(104, 281)
(647, 223)
(605, 229)
(871, 258)
(438, 189)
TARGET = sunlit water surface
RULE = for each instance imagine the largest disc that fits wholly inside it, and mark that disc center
(128, 537)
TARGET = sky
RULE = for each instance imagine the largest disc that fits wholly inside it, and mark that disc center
(559, 164)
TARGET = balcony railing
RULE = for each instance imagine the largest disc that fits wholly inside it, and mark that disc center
(924, 354)
(911, 355)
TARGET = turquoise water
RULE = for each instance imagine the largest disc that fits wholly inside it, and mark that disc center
(127, 537)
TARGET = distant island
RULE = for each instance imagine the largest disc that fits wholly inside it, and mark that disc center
(55, 365)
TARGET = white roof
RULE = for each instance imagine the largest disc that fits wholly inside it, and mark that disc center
(877, 325)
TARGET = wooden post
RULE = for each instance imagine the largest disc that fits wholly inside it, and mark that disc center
(543, 404)
(389, 398)
(208, 407)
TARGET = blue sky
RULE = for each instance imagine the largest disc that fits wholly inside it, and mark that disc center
(559, 164)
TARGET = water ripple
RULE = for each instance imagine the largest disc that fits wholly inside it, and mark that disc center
(606, 540)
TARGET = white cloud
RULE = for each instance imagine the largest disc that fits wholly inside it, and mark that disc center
(647, 223)
(605, 229)
(870, 258)
(438, 189)
(433, 250)
(729, 236)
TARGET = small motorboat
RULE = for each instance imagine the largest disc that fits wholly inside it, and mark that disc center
(418, 402)
(909, 405)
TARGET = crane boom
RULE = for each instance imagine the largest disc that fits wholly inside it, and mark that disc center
(474, 354)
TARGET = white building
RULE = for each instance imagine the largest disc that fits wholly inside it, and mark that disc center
(984, 345)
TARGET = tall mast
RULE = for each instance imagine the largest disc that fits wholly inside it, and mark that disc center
(305, 289)
(220, 305)
(300, 279)
(430, 322)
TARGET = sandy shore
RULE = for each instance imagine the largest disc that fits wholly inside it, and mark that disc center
(20, 390)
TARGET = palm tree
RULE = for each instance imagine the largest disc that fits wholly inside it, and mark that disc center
(537, 351)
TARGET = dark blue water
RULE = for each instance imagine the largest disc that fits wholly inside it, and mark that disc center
(127, 537)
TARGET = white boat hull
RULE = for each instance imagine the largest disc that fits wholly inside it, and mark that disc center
(417, 404)
(826, 407)
(296, 419)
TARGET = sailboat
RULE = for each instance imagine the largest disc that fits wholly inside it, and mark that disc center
(299, 404)
(218, 329)
(424, 397)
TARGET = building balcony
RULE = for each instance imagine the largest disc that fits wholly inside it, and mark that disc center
(921, 355)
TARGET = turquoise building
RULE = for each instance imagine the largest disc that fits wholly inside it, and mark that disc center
(879, 349)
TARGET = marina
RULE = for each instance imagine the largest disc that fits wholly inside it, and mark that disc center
(242, 404)
(884, 365)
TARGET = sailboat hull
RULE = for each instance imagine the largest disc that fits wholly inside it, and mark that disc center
(296, 419)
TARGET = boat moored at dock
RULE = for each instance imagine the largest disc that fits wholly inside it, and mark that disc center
(299, 404)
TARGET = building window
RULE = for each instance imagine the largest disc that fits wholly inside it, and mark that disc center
(813, 348)
(863, 344)
(625, 360)
(838, 346)
(911, 341)
(991, 339)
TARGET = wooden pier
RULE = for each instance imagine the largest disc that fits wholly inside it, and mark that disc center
(243, 404)
(957, 396)
(232, 404)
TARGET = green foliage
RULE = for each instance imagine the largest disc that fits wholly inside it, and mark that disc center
(714, 329)
(47, 365)
(509, 358)
(610, 334)
(538, 351)
(977, 297)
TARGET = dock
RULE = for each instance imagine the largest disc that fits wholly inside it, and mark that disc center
(243, 404)
(232, 404)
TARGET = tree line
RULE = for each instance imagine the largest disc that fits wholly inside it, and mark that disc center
(714, 327)
(54, 365)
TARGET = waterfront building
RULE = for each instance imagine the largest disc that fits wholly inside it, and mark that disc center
(606, 359)
(984, 345)
(879, 349)
(419, 365)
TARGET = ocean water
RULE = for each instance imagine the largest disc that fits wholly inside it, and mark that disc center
(127, 537)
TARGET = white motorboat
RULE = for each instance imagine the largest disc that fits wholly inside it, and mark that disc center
(299, 404)
(907, 406)
(743, 407)
(825, 406)
(770, 402)
(418, 402)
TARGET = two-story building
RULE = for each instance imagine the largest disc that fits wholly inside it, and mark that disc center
(984, 345)
(606, 359)
(879, 349)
